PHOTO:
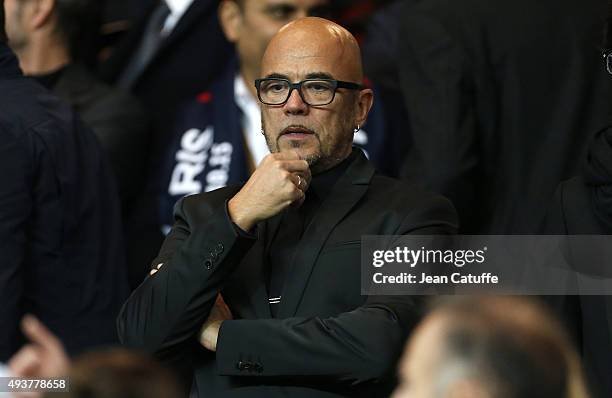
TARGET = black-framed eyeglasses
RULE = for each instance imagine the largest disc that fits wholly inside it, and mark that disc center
(607, 56)
(314, 92)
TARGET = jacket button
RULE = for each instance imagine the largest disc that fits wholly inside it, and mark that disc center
(220, 248)
(208, 264)
(245, 366)
(214, 255)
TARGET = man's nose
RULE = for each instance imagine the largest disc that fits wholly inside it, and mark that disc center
(295, 105)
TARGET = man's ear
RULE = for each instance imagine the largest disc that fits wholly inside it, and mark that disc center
(42, 13)
(230, 17)
(365, 99)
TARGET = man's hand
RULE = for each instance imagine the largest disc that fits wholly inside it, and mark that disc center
(44, 357)
(280, 180)
(210, 330)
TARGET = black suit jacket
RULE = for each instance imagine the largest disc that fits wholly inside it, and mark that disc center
(328, 339)
(588, 318)
(119, 122)
(583, 205)
(502, 96)
(61, 248)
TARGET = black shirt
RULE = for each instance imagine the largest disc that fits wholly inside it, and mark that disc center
(294, 221)
(49, 80)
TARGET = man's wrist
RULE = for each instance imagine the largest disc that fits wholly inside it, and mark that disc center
(239, 217)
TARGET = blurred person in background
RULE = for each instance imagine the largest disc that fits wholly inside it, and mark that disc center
(172, 50)
(489, 347)
(55, 40)
(355, 15)
(60, 229)
(502, 99)
(380, 61)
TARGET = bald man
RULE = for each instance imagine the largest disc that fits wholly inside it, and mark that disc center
(257, 287)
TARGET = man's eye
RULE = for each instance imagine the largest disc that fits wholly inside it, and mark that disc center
(281, 12)
(318, 87)
(276, 87)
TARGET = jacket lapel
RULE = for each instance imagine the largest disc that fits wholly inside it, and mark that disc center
(347, 192)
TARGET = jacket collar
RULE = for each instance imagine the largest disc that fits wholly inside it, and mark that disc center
(9, 66)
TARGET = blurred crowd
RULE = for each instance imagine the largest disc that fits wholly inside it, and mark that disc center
(502, 106)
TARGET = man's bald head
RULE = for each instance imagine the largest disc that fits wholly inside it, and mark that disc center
(314, 37)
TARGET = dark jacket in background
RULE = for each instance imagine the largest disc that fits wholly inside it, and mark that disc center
(119, 122)
(380, 61)
(502, 96)
(583, 205)
(186, 61)
(61, 249)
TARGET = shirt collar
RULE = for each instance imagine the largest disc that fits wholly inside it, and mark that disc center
(242, 95)
(9, 65)
(323, 183)
(178, 7)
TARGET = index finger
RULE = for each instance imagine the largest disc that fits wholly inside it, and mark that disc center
(296, 166)
(289, 154)
(38, 333)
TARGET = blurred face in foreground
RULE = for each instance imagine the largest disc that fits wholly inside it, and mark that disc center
(422, 368)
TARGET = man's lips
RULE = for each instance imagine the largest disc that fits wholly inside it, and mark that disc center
(296, 133)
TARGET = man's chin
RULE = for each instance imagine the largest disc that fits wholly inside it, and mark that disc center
(305, 152)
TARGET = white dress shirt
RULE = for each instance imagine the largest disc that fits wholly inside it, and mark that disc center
(250, 121)
(177, 9)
